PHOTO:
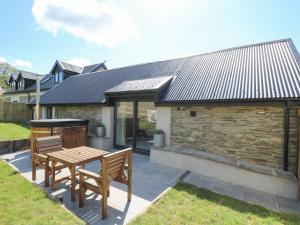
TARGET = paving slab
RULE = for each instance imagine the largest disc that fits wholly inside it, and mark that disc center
(260, 198)
(214, 185)
(267, 200)
(149, 181)
(288, 205)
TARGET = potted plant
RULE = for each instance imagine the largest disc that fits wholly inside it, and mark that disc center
(100, 130)
(159, 138)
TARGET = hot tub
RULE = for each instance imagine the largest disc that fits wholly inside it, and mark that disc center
(73, 132)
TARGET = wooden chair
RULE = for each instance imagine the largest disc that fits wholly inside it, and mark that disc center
(116, 166)
(42, 146)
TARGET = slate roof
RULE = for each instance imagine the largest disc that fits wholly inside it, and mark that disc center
(263, 71)
(93, 68)
(45, 83)
(71, 68)
(27, 75)
(144, 85)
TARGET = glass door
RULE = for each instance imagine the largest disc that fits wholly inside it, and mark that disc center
(124, 124)
(135, 125)
(146, 125)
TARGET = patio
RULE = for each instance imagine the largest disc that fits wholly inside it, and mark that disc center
(146, 189)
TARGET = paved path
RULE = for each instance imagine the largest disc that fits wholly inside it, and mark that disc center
(273, 202)
(149, 181)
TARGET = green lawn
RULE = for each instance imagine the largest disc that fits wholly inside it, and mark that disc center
(23, 203)
(13, 131)
(187, 204)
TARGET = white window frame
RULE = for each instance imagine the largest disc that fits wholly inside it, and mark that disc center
(60, 76)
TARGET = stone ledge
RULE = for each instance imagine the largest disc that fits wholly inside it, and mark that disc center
(232, 162)
(14, 145)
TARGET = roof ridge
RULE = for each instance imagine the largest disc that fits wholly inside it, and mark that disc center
(206, 53)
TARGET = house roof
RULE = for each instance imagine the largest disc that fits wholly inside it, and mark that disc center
(45, 83)
(27, 75)
(143, 85)
(93, 68)
(77, 69)
(12, 76)
(263, 71)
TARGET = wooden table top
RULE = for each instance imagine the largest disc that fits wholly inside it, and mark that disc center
(78, 155)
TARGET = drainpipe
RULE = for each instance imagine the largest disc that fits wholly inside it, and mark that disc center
(286, 137)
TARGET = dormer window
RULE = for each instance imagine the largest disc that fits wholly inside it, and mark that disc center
(58, 77)
(21, 83)
(13, 85)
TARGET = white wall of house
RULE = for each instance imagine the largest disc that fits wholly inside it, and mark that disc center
(262, 182)
(163, 115)
(15, 98)
(107, 118)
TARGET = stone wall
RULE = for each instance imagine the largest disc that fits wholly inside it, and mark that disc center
(89, 112)
(253, 134)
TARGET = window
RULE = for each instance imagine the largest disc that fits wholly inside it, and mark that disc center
(21, 83)
(49, 113)
(13, 85)
(61, 76)
(56, 77)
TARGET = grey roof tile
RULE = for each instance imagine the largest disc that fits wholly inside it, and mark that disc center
(143, 85)
(264, 71)
(93, 68)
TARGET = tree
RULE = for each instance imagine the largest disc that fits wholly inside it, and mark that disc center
(5, 71)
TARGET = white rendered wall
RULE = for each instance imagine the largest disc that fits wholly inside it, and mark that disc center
(272, 184)
(107, 118)
(163, 115)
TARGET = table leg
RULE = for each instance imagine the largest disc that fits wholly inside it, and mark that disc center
(73, 176)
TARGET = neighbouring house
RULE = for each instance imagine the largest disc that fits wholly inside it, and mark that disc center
(230, 114)
(18, 85)
(23, 84)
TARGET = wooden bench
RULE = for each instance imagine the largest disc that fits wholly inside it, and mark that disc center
(43, 146)
(116, 166)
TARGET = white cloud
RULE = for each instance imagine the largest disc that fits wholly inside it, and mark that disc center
(79, 61)
(22, 63)
(102, 23)
(3, 59)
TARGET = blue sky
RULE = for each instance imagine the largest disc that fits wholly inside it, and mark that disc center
(36, 33)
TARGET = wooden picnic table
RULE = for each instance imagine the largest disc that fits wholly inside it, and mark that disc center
(72, 158)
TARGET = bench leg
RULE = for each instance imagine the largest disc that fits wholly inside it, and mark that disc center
(81, 191)
(33, 164)
(53, 163)
(104, 199)
(47, 173)
(73, 176)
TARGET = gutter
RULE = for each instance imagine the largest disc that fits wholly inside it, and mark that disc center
(286, 137)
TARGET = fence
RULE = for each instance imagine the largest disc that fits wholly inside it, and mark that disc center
(14, 112)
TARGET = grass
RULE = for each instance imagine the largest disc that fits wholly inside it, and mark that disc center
(13, 131)
(187, 204)
(23, 203)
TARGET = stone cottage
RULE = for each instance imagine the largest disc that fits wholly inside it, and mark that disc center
(230, 114)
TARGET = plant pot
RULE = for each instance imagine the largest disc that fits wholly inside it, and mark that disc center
(159, 140)
(100, 131)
